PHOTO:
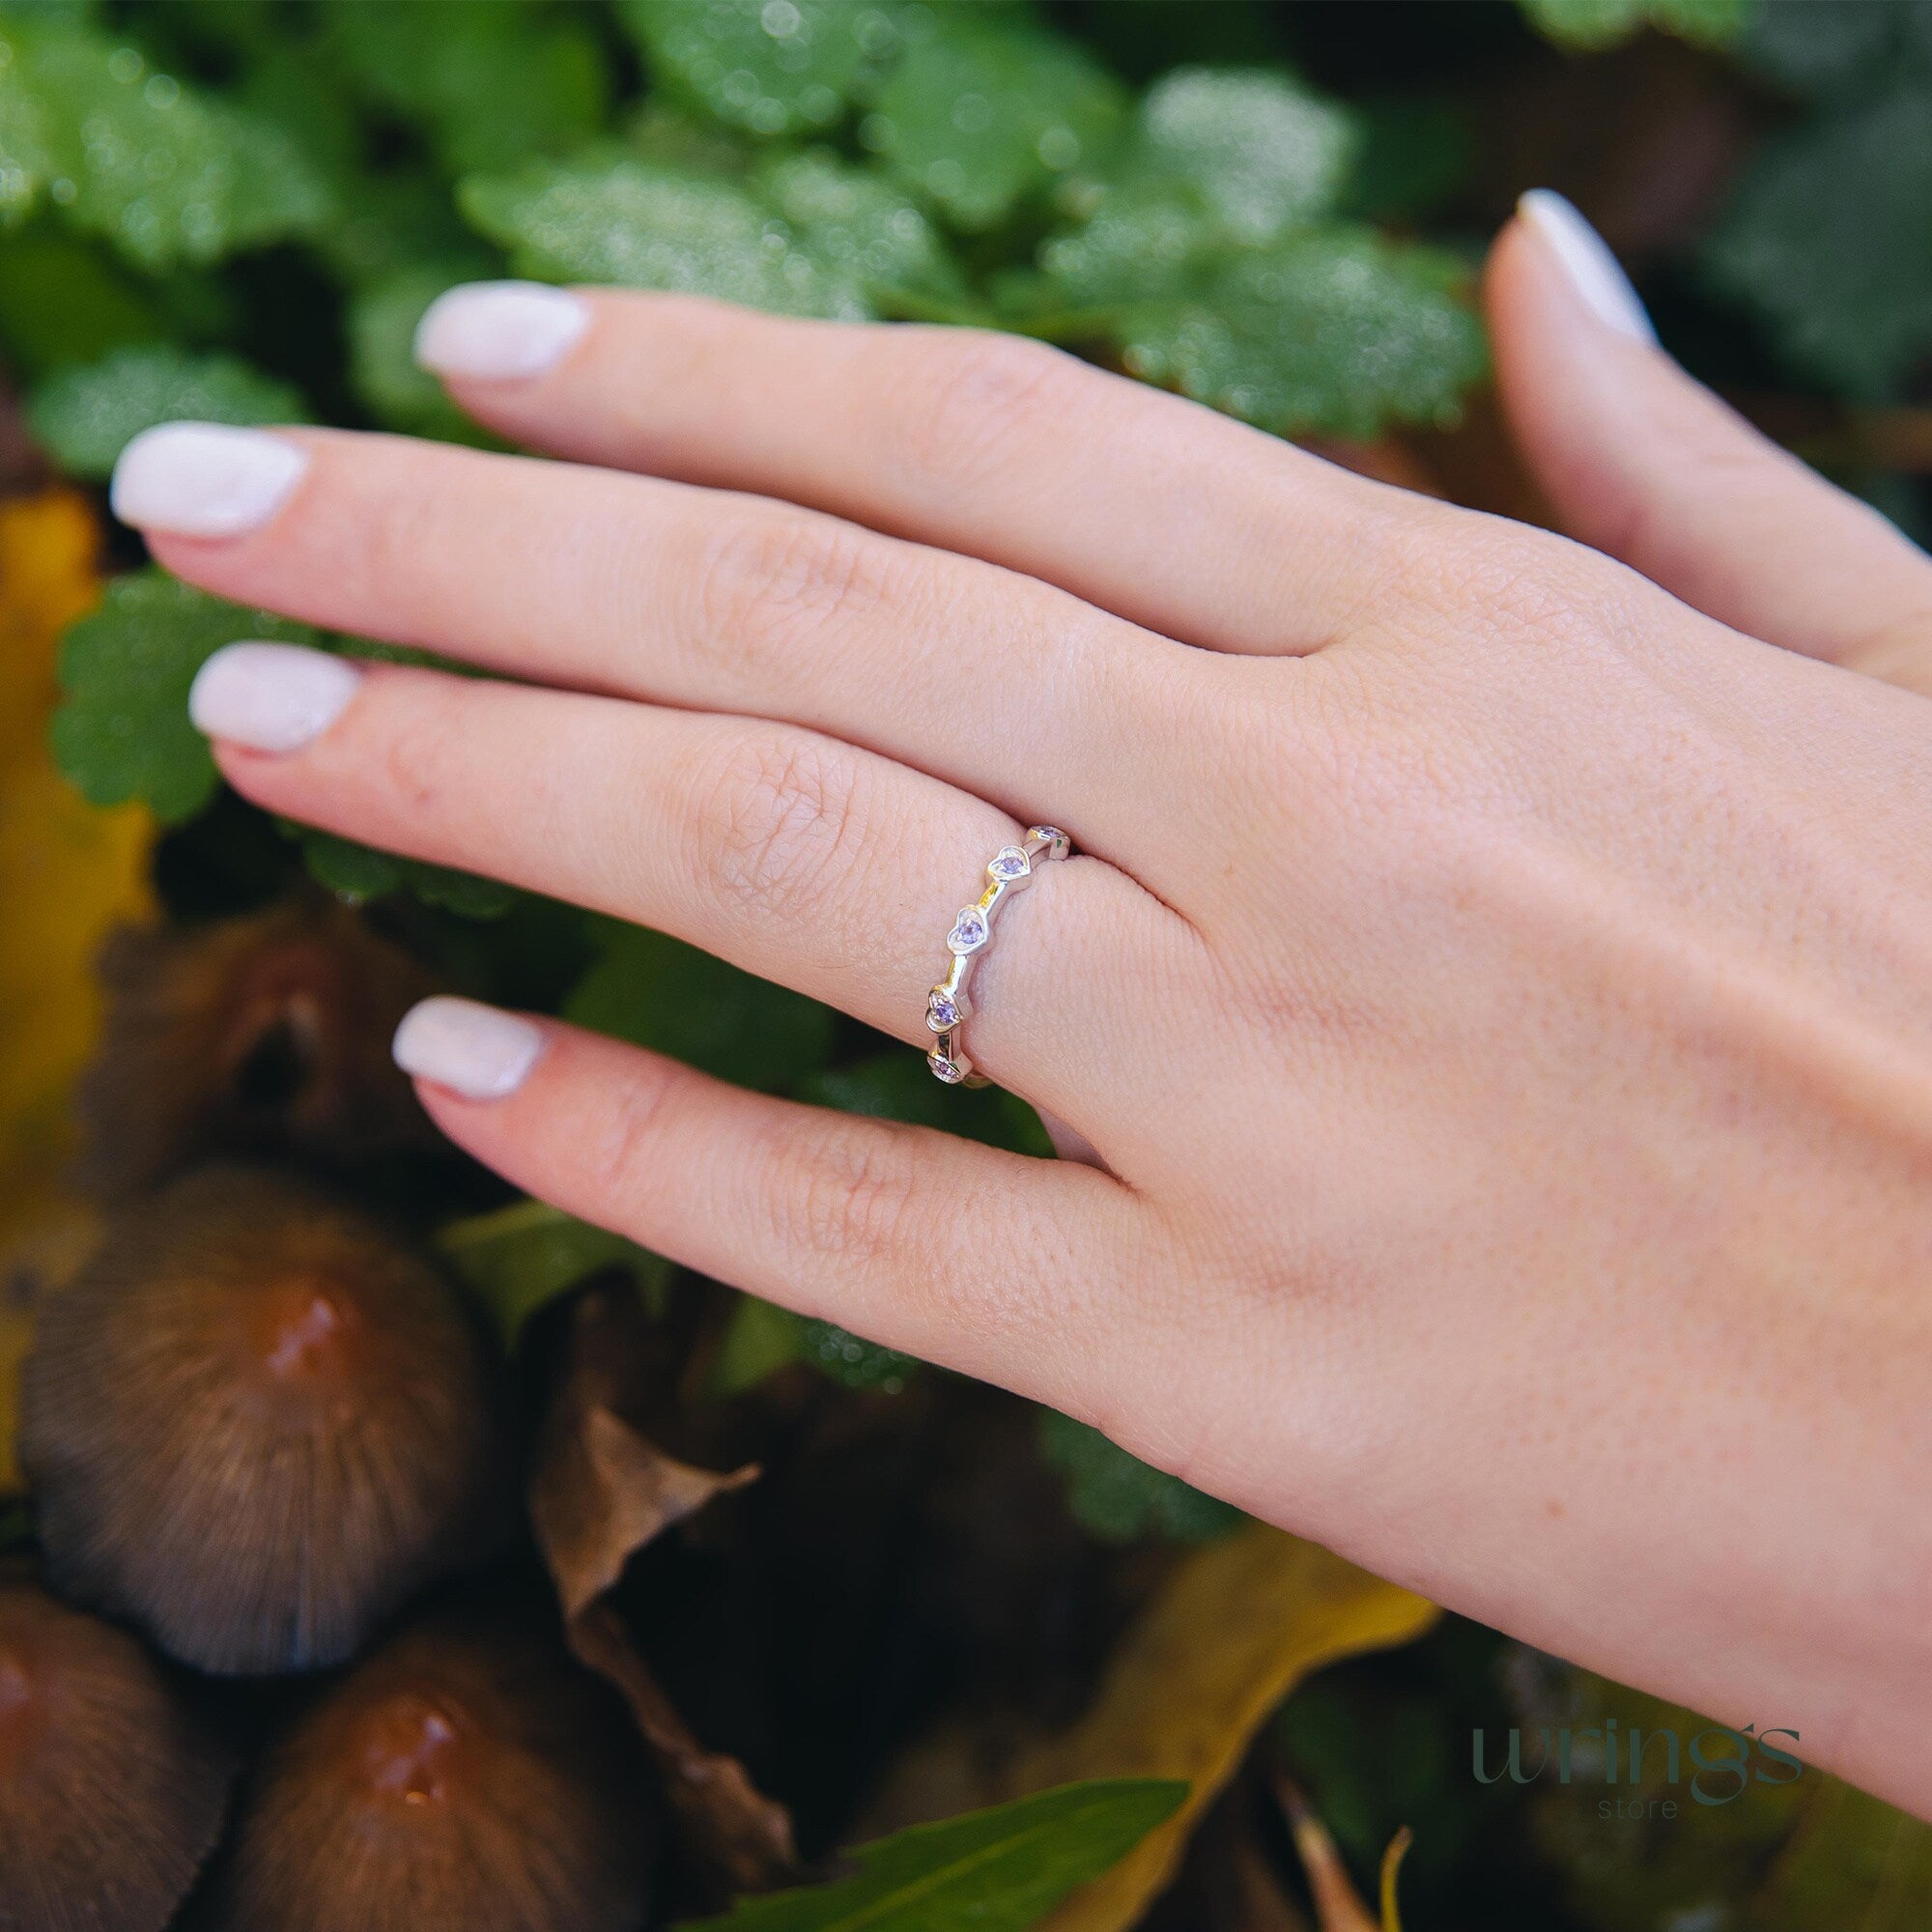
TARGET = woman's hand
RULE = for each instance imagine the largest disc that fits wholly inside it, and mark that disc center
(1496, 994)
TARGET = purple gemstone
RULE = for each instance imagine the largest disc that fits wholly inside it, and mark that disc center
(943, 1069)
(941, 1012)
(969, 930)
(1008, 863)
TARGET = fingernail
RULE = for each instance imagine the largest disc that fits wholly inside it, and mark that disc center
(477, 1051)
(205, 479)
(1593, 273)
(498, 330)
(271, 698)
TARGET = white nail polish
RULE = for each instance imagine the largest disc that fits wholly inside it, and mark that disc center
(271, 698)
(477, 1051)
(205, 479)
(1593, 273)
(496, 332)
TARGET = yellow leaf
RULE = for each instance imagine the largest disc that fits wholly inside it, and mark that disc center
(1230, 1634)
(68, 874)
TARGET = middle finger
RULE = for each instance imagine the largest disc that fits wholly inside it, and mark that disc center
(694, 597)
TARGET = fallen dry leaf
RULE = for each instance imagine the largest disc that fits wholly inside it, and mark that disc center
(68, 874)
(1232, 1630)
(599, 1491)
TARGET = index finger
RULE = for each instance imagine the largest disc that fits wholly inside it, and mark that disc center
(1162, 511)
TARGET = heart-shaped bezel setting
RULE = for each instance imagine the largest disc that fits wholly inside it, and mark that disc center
(1007, 864)
(970, 932)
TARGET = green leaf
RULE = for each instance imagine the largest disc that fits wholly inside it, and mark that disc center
(640, 224)
(85, 417)
(123, 150)
(1853, 46)
(382, 322)
(1335, 331)
(517, 1259)
(27, 133)
(1589, 25)
(985, 106)
(63, 300)
(1417, 156)
(360, 873)
(850, 1360)
(1218, 158)
(770, 66)
(898, 1086)
(285, 83)
(1118, 1498)
(999, 1870)
(1198, 261)
(860, 227)
(656, 991)
(122, 731)
(760, 1339)
(1829, 239)
(397, 221)
(491, 82)
(1263, 153)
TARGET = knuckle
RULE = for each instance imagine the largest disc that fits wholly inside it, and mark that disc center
(778, 823)
(845, 1192)
(975, 404)
(378, 539)
(619, 1158)
(421, 754)
(1514, 583)
(771, 583)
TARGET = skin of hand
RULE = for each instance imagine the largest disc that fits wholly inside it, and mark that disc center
(1492, 989)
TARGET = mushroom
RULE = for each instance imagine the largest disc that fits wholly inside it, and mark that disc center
(263, 1036)
(255, 1423)
(111, 1787)
(466, 1777)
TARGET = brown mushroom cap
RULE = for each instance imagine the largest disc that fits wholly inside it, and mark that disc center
(254, 1423)
(111, 1790)
(266, 1035)
(466, 1777)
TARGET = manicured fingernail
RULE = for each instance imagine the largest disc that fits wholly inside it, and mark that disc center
(1593, 273)
(271, 698)
(205, 479)
(477, 1051)
(498, 330)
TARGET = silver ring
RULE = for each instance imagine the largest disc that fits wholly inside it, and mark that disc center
(948, 1008)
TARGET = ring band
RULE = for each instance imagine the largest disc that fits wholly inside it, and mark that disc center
(948, 1008)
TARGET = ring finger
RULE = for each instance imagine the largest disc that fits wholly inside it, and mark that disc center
(794, 855)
